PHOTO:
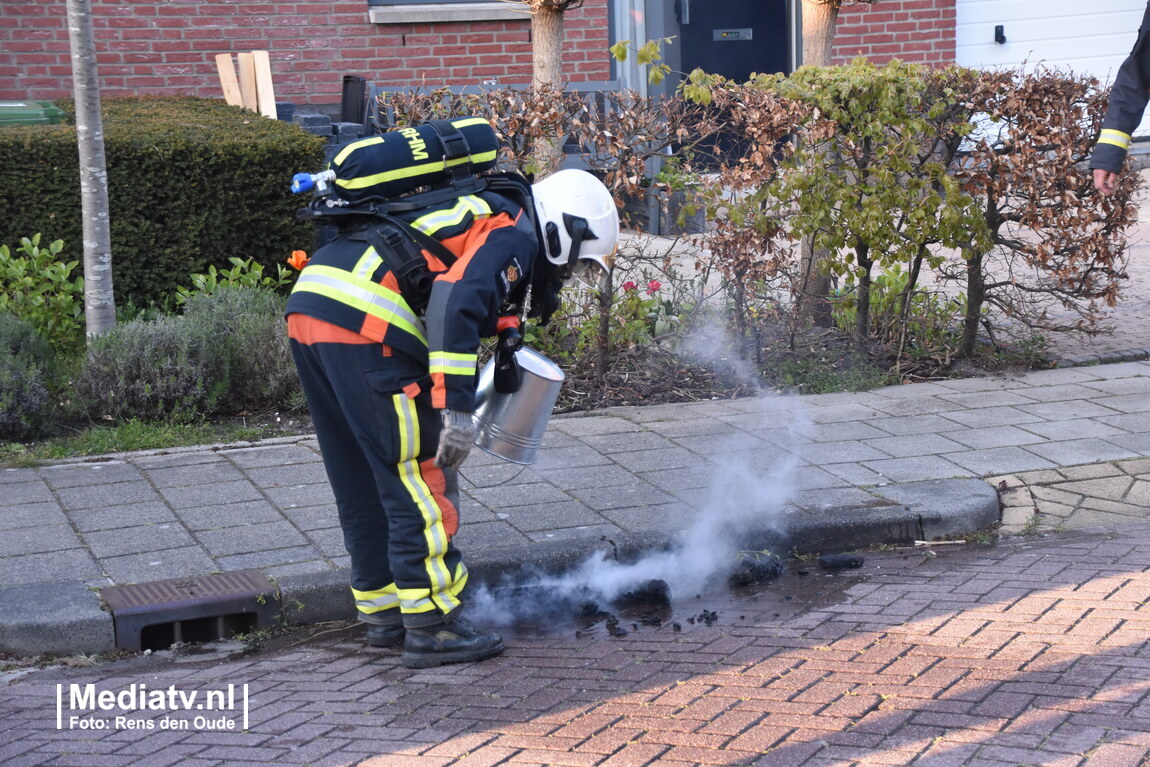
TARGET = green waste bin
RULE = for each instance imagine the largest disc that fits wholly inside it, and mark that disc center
(30, 113)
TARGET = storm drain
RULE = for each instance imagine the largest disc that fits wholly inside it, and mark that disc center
(156, 615)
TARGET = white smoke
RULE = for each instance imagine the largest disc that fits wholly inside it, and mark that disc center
(743, 500)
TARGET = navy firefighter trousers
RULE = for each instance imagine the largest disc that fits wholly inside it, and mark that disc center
(371, 410)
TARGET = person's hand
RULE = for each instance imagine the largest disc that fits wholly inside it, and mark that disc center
(1104, 181)
(455, 440)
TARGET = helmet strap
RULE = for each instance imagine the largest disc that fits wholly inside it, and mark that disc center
(579, 230)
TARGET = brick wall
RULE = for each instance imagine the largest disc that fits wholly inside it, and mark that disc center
(168, 47)
(911, 30)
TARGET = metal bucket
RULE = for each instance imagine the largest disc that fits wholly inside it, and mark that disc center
(511, 426)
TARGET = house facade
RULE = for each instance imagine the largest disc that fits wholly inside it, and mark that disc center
(169, 46)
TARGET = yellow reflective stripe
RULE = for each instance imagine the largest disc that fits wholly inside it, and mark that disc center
(415, 601)
(412, 171)
(362, 294)
(1115, 137)
(441, 219)
(339, 158)
(421, 601)
(367, 264)
(434, 533)
(369, 602)
(464, 122)
(453, 364)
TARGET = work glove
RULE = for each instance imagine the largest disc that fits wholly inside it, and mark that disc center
(456, 439)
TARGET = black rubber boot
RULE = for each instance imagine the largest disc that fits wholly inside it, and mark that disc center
(455, 641)
(385, 636)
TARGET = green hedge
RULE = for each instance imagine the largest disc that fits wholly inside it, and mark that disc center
(191, 182)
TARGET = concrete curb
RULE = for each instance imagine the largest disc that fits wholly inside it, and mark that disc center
(54, 618)
(67, 618)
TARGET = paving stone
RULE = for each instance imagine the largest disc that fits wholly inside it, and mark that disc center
(592, 425)
(231, 515)
(496, 498)
(120, 494)
(308, 518)
(112, 517)
(52, 565)
(89, 474)
(1074, 429)
(644, 461)
(248, 538)
(194, 474)
(825, 453)
(570, 457)
(908, 406)
(916, 469)
(19, 515)
(913, 445)
(988, 417)
(549, 516)
(1127, 403)
(841, 413)
(1090, 472)
(1112, 488)
(158, 565)
(269, 558)
(984, 399)
(908, 425)
(318, 494)
(637, 494)
(1077, 451)
(288, 475)
(277, 455)
(998, 460)
(213, 493)
(130, 540)
(32, 491)
(38, 539)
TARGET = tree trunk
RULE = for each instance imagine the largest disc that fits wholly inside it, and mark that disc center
(818, 32)
(862, 315)
(547, 69)
(975, 296)
(603, 344)
(99, 300)
(818, 23)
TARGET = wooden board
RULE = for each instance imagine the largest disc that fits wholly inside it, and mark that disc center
(228, 81)
(265, 92)
(248, 80)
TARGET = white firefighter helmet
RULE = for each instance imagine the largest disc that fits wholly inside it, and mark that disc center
(578, 220)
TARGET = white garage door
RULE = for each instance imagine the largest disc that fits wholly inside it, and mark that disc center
(1085, 37)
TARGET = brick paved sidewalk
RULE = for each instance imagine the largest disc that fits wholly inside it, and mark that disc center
(1029, 652)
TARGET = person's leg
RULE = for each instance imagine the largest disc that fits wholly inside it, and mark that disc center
(361, 515)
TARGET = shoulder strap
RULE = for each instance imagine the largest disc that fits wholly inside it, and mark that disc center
(396, 243)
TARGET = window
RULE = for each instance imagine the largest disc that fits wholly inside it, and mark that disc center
(415, 11)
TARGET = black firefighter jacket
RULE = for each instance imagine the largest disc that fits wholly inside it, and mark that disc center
(1128, 99)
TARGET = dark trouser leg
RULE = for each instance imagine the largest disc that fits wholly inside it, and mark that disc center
(378, 437)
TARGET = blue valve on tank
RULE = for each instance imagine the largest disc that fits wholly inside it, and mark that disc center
(320, 182)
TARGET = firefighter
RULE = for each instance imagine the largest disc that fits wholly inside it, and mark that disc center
(391, 389)
(1128, 98)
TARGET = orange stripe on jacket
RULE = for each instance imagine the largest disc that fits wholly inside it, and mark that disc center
(467, 243)
(309, 330)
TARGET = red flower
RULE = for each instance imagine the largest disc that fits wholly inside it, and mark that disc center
(298, 260)
(628, 286)
(653, 287)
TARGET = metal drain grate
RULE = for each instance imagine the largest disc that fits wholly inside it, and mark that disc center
(153, 616)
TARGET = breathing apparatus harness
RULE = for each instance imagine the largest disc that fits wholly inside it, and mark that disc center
(375, 221)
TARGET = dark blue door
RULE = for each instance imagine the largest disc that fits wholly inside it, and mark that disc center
(734, 38)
